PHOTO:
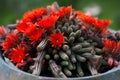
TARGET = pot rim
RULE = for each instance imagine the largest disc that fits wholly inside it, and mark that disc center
(43, 77)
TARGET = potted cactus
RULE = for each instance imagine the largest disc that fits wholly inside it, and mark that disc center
(59, 43)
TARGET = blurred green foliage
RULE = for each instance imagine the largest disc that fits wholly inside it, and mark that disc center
(11, 10)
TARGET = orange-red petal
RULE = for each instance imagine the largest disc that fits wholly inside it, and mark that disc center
(48, 22)
(17, 55)
(57, 39)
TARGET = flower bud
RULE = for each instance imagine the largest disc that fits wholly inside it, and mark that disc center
(115, 63)
(110, 61)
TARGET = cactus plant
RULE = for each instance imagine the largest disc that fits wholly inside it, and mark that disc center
(60, 42)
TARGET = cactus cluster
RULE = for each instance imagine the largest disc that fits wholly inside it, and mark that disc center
(78, 51)
(60, 42)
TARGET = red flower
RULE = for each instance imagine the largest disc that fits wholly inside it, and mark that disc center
(36, 35)
(48, 22)
(11, 41)
(92, 20)
(17, 55)
(2, 31)
(85, 18)
(64, 11)
(33, 32)
(32, 16)
(104, 31)
(102, 23)
(111, 47)
(22, 27)
(57, 39)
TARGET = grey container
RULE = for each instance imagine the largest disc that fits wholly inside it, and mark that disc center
(8, 72)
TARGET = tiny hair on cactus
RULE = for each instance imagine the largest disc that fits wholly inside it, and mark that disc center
(57, 39)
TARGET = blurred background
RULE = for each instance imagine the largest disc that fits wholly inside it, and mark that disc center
(11, 10)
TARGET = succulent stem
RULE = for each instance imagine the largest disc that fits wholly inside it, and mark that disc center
(79, 70)
(56, 70)
(38, 63)
(92, 69)
(42, 44)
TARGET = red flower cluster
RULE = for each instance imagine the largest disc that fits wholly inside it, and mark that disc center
(34, 22)
(91, 20)
(57, 39)
(17, 55)
(98, 24)
(111, 48)
(64, 11)
(11, 41)
(34, 15)
(48, 22)
(33, 33)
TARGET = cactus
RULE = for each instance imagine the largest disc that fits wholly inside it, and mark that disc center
(62, 41)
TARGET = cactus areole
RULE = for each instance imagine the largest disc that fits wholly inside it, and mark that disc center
(60, 42)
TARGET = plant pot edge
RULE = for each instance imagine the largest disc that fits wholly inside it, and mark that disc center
(25, 74)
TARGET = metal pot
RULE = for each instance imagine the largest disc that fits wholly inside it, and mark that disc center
(8, 72)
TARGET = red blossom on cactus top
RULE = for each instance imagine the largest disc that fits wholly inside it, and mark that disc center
(102, 23)
(17, 55)
(34, 15)
(85, 18)
(111, 46)
(30, 30)
(64, 11)
(33, 32)
(11, 41)
(31, 17)
(22, 27)
(57, 39)
(92, 20)
(48, 22)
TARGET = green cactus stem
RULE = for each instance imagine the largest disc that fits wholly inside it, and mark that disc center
(63, 55)
(67, 72)
(80, 58)
(64, 63)
(73, 58)
(70, 66)
(79, 70)
(83, 50)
